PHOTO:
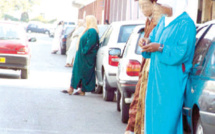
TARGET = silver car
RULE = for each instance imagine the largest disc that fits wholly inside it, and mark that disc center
(128, 72)
(111, 45)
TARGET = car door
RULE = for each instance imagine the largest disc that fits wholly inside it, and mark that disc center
(206, 99)
(100, 54)
(195, 80)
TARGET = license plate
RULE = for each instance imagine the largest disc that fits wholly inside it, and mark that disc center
(2, 60)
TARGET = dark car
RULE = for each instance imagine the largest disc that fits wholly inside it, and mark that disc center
(66, 31)
(14, 49)
(37, 28)
(199, 106)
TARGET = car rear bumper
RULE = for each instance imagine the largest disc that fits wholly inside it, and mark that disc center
(127, 86)
(15, 61)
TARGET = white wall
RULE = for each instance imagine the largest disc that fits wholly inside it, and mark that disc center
(192, 9)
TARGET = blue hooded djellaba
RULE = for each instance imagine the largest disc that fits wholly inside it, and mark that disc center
(167, 79)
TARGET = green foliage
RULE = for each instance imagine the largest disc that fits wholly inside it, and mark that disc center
(24, 17)
(52, 21)
(17, 5)
(42, 19)
(6, 16)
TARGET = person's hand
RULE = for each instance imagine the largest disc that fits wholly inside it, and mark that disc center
(143, 42)
(152, 47)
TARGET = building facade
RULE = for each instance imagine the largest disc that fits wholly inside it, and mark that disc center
(122, 10)
(112, 10)
(206, 10)
(95, 8)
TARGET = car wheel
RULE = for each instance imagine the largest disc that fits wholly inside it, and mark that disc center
(108, 93)
(63, 51)
(124, 109)
(98, 88)
(29, 31)
(24, 74)
(118, 97)
(199, 128)
(47, 32)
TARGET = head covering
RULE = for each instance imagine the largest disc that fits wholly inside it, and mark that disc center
(178, 7)
(80, 22)
(91, 22)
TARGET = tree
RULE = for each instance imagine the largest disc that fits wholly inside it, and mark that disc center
(24, 17)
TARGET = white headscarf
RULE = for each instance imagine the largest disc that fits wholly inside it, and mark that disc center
(178, 7)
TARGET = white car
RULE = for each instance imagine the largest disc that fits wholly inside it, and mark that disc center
(128, 72)
(111, 45)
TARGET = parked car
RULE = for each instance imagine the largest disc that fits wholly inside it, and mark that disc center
(113, 39)
(37, 28)
(199, 106)
(14, 50)
(67, 30)
(128, 72)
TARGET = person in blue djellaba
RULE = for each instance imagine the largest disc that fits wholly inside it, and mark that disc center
(170, 47)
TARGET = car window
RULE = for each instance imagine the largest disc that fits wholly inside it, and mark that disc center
(138, 48)
(127, 46)
(125, 32)
(104, 35)
(202, 47)
(107, 37)
(8, 31)
(209, 70)
(33, 25)
(102, 30)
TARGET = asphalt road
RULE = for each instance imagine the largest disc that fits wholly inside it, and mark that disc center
(36, 105)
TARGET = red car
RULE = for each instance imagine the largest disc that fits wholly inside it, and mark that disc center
(14, 50)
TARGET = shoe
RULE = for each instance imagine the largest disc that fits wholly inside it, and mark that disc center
(67, 65)
(54, 52)
(94, 92)
(67, 92)
(79, 93)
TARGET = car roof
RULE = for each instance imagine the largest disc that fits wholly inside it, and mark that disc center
(138, 28)
(207, 23)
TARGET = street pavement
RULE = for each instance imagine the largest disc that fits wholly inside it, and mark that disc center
(36, 105)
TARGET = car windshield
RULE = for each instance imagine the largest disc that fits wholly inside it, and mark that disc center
(102, 29)
(8, 32)
(125, 32)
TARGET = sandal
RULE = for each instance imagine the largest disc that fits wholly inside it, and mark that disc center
(54, 52)
(79, 93)
(67, 65)
(67, 92)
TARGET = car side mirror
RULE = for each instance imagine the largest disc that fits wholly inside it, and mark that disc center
(33, 39)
